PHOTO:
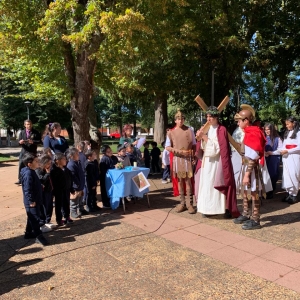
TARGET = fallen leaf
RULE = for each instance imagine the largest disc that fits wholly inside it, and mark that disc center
(50, 288)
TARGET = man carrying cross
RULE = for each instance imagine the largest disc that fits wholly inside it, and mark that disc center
(217, 190)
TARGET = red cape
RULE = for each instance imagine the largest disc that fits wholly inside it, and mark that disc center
(255, 139)
(228, 187)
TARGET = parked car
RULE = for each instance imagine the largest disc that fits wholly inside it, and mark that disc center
(115, 135)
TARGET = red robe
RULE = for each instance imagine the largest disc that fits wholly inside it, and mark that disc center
(228, 187)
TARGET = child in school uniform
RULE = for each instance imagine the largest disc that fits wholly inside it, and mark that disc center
(91, 181)
(131, 153)
(32, 198)
(155, 154)
(122, 157)
(166, 163)
(76, 200)
(146, 157)
(108, 161)
(43, 172)
(47, 151)
(62, 187)
(81, 147)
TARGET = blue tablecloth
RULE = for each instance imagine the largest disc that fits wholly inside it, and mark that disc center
(119, 184)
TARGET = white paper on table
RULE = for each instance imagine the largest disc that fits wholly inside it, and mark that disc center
(141, 181)
(140, 142)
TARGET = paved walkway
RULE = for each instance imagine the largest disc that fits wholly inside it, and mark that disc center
(149, 253)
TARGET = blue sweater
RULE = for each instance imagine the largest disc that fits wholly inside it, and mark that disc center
(77, 174)
(55, 145)
(31, 187)
(90, 174)
(107, 163)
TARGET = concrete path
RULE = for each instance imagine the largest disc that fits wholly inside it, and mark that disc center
(149, 253)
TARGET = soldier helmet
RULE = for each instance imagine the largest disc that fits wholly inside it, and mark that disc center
(179, 114)
(247, 112)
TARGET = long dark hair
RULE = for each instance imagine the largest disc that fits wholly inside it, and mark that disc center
(273, 132)
(49, 129)
(296, 128)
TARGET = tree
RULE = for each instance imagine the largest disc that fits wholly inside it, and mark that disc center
(13, 110)
(58, 39)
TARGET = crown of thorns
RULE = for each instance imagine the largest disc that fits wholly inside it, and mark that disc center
(212, 110)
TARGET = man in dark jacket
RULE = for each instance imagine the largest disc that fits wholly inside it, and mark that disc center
(29, 138)
(32, 197)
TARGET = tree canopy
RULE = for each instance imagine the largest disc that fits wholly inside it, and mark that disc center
(158, 52)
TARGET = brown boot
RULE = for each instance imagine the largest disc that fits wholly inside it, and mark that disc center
(189, 202)
(180, 208)
(191, 209)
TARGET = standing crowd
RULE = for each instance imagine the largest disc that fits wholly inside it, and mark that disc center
(217, 174)
(202, 164)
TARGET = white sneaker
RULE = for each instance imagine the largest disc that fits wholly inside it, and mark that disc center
(164, 181)
(168, 180)
(50, 225)
(45, 229)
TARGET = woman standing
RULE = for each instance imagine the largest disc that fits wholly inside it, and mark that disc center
(53, 140)
(126, 135)
(290, 152)
(274, 143)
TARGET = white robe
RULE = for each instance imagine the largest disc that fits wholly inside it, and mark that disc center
(210, 201)
(291, 164)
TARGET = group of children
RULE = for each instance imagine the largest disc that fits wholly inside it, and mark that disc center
(71, 179)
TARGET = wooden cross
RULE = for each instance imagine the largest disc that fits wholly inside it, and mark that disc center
(222, 105)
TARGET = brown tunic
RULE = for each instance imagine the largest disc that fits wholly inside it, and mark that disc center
(182, 139)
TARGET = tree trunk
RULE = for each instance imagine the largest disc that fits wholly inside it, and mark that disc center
(161, 118)
(96, 137)
(120, 123)
(81, 98)
(134, 127)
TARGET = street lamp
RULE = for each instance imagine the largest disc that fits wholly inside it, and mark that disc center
(27, 103)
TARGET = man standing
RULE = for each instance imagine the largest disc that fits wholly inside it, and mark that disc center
(252, 150)
(217, 189)
(29, 138)
(181, 142)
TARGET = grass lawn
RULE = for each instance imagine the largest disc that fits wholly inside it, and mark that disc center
(6, 157)
(115, 146)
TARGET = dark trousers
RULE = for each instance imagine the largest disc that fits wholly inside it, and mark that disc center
(47, 207)
(62, 205)
(147, 164)
(33, 220)
(104, 197)
(166, 174)
(154, 165)
(91, 200)
(21, 165)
